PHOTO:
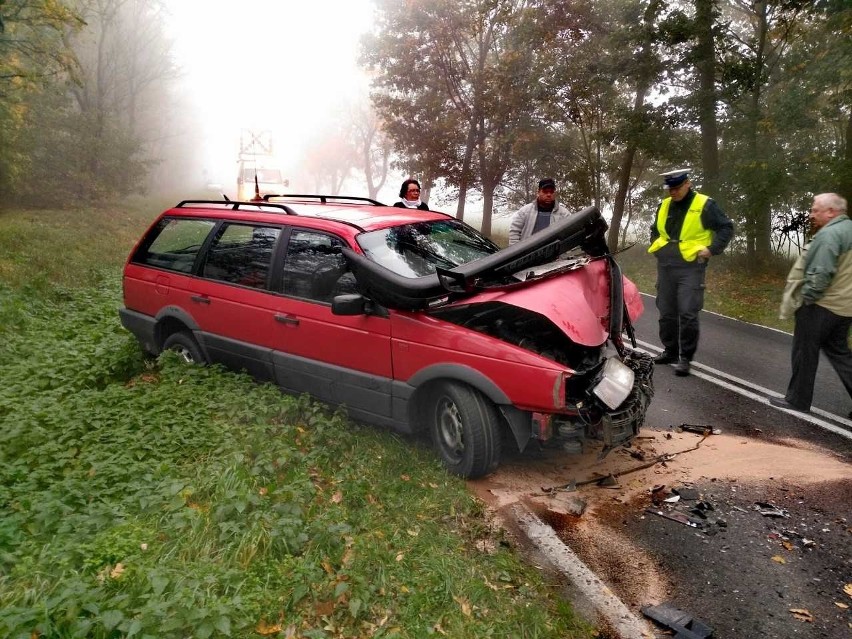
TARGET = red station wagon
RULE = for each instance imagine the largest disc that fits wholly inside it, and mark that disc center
(409, 319)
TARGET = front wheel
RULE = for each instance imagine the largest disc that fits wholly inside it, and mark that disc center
(185, 346)
(465, 429)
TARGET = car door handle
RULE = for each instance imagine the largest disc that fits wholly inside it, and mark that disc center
(286, 319)
(201, 299)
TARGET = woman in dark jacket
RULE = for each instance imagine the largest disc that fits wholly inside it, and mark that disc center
(409, 194)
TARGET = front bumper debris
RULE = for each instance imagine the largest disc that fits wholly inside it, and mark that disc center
(595, 420)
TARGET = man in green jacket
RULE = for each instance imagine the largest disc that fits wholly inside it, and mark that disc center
(825, 316)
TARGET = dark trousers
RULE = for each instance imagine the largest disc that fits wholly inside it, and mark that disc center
(680, 297)
(818, 328)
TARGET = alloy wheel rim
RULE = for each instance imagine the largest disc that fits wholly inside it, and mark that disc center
(184, 354)
(450, 429)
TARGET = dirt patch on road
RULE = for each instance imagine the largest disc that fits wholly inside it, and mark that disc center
(563, 489)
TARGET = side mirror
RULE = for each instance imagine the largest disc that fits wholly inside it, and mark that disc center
(349, 304)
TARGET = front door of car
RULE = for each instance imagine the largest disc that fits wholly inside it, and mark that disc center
(339, 359)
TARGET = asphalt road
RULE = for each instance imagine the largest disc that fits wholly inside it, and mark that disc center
(755, 354)
(757, 576)
(732, 580)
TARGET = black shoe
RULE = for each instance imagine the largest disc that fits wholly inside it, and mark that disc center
(665, 358)
(682, 368)
(783, 403)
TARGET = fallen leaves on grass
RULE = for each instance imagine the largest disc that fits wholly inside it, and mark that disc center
(464, 604)
(265, 628)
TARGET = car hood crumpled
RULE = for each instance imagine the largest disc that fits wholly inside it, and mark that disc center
(577, 302)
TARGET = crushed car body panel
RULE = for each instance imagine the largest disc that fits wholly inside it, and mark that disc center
(577, 302)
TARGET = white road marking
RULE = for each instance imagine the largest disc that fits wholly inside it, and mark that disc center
(724, 380)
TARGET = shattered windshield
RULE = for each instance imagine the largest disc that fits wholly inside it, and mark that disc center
(418, 249)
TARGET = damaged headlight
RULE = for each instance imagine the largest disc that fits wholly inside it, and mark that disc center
(615, 384)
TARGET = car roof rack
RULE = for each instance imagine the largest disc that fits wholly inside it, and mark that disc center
(325, 198)
(270, 207)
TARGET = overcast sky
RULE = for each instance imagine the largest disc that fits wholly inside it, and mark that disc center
(279, 65)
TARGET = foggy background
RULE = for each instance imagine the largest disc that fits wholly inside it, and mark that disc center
(286, 68)
(106, 99)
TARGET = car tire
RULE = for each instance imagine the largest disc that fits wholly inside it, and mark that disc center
(186, 347)
(465, 429)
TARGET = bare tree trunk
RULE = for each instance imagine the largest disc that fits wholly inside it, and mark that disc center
(620, 197)
(706, 67)
(642, 84)
(626, 224)
(759, 223)
(845, 187)
(464, 180)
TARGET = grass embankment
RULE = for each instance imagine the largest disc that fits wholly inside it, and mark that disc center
(147, 498)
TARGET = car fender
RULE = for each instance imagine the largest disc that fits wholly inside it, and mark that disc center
(519, 421)
(169, 314)
(466, 374)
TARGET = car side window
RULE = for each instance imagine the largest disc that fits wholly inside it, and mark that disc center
(173, 244)
(241, 254)
(314, 267)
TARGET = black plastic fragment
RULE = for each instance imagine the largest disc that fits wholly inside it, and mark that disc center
(682, 623)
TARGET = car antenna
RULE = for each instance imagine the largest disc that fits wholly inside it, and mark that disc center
(225, 195)
(256, 197)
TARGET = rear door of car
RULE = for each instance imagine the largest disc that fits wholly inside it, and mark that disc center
(232, 301)
(340, 359)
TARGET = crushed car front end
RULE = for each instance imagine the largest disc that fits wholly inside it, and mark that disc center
(604, 388)
(537, 328)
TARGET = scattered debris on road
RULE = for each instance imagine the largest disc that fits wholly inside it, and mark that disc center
(676, 516)
(686, 493)
(700, 512)
(699, 430)
(609, 481)
(770, 510)
(682, 623)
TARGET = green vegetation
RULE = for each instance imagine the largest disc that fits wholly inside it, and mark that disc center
(151, 499)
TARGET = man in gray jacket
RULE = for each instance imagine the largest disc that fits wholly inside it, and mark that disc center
(537, 215)
(825, 315)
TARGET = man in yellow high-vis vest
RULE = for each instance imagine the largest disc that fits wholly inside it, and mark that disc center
(688, 229)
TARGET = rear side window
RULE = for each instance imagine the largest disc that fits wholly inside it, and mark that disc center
(314, 267)
(174, 244)
(241, 254)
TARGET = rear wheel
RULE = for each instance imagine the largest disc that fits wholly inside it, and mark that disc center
(185, 346)
(465, 429)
